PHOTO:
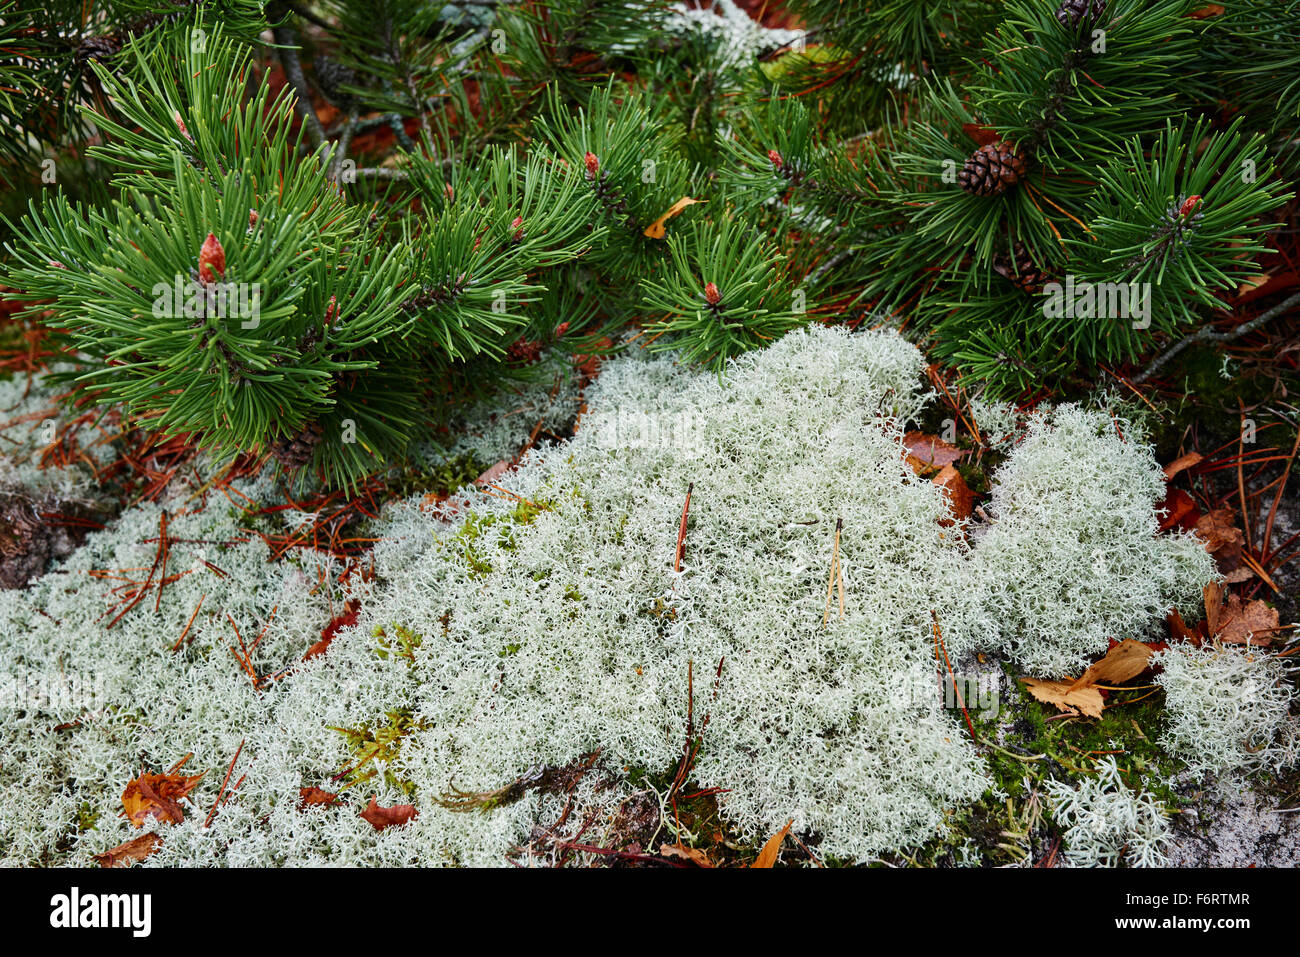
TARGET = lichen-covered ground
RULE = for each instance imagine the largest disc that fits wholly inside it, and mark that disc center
(719, 606)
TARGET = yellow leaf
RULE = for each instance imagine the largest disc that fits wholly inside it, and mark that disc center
(1126, 660)
(767, 856)
(656, 229)
(1065, 697)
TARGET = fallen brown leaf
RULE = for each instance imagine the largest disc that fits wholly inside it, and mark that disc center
(929, 451)
(692, 854)
(1225, 541)
(1180, 630)
(1182, 462)
(1253, 622)
(307, 797)
(1212, 597)
(157, 796)
(1179, 510)
(1066, 697)
(131, 852)
(767, 856)
(961, 500)
(493, 473)
(382, 817)
(1126, 660)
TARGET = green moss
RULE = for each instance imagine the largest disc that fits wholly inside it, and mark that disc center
(401, 644)
(378, 744)
(87, 817)
(473, 533)
(441, 479)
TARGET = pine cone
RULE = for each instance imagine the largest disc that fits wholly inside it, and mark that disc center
(523, 352)
(1070, 12)
(295, 451)
(1020, 270)
(331, 77)
(993, 169)
(98, 49)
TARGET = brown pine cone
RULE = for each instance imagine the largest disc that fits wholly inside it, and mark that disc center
(523, 352)
(993, 169)
(1020, 270)
(97, 48)
(295, 451)
(1070, 12)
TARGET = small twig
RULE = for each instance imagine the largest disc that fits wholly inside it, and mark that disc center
(681, 532)
(836, 575)
(186, 631)
(382, 172)
(287, 39)
(222, 790)
(1207, 334)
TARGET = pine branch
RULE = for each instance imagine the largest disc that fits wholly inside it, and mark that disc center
(1208, 334)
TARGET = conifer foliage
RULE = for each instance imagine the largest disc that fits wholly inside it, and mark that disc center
(308, 229)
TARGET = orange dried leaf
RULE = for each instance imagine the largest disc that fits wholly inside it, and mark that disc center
(961, 500)
(1226, 542)
(1252, 623)
(1212, 596)
(382, 817)
(1181, 463)
(692, 854)
(157, 796)
(929, 451)
(131, 852)
(657, 230)
(1126, 660)
(767, 856)
(1065, 697)
(310, 797)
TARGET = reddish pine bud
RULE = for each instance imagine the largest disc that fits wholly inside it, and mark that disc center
(57, 265)
(1189, 205)
(593, 165)
(517, 225)
(711, 294)
(451, 193)
(212, 261)
(561, 329)
(516, 222)
(776, 159)
(180, 125)
(252, 218)
(331, 310)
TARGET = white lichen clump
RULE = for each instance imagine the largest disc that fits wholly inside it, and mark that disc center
(1107, 823)
(1073, 559)
(544, 620)
(1229, 709)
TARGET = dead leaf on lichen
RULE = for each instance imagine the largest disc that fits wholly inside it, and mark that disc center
(158, 796)
(309, 797)
(925, 452)
(1181, 463)
(382, 817)
(1121, 663)
(1225, 541)
(1126, 660)
(131, 852)
(767, 856)
(961, 500)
